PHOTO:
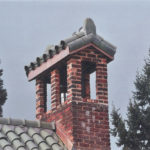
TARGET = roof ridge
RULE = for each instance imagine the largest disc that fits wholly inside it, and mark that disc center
(85, 35)
(28, 123)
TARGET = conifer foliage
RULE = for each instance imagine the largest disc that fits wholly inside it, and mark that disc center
(134, 132)
(3, 93)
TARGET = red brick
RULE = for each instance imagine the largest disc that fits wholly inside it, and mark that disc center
(80, 122)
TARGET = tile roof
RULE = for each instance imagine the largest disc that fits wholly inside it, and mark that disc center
(18, 134)
(85, 35)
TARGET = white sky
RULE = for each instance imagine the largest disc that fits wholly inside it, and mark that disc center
(27, 27)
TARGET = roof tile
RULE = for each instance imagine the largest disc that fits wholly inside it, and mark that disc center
(18, 134)
(38, 139)
(12, 136)
(31, 145)
(19, 130)
(51, 140)
(2, 136)
(21, 148)
(8, 148)
(45, 134)
(44, 146)
(56, 147)
(18, 144)
(4, 143)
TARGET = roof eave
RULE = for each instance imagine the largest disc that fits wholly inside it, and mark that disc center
(51, 62)
(48, 64)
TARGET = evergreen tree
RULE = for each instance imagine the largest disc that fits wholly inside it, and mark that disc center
(134, 132)
(3, 93)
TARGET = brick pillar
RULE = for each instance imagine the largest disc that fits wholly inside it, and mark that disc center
(55, 89)
(87, 85)
(74, 79)
(40, 98)
(101, 81)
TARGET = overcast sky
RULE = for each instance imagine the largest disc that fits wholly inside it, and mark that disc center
(27, 27)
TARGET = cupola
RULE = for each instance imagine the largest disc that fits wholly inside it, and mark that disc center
(81, 122)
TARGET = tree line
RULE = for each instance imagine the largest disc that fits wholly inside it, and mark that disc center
(3, 93)
(133, 133)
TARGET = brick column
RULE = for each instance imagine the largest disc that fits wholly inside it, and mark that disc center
(40, 98)
(101, 81)
(55, 89)
(74, 79)
(87, 85)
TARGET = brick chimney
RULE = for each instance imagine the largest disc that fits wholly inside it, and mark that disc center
(82, 123)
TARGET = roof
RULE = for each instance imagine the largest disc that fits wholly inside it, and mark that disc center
(16, 134)
(86, 34)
